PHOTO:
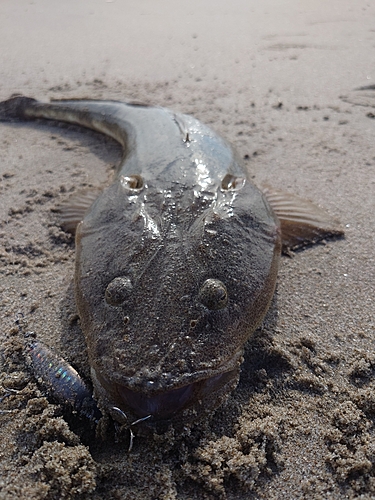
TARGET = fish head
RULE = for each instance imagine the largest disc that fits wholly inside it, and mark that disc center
(167, 300)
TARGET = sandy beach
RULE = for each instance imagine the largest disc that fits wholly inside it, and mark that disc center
(278, 80)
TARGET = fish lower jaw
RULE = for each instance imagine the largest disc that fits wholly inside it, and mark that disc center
(168, 405)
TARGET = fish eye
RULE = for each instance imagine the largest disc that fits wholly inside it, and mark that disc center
(232, 183)
(132, 183)
(213, 294)
(118, 291)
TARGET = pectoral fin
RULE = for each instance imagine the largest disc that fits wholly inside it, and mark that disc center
(74, 209)
(302, 223)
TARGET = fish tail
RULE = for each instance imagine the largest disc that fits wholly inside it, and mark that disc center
(95, 115)
(15, 108)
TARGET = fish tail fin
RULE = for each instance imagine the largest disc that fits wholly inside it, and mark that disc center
(15, 107)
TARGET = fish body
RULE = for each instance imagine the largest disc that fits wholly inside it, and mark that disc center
(176, 261)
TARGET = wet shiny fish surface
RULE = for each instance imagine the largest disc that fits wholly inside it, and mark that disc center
(176, 261)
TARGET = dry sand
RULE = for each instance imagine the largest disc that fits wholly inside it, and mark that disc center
(268, 76)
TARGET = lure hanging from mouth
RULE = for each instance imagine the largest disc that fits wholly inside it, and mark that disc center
(63, 381)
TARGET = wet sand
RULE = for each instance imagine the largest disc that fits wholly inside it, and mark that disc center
(267, 76)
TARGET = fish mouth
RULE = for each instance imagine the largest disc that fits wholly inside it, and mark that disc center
(164, 406)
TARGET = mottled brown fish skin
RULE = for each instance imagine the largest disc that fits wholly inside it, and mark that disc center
(176, 261)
